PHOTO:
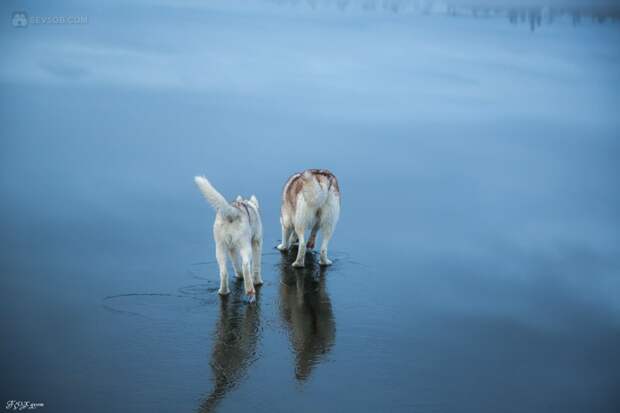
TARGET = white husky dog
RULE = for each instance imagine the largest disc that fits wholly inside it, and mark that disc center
(238, 232)
(310, 199)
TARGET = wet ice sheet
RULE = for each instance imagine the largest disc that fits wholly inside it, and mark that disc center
(477, 254)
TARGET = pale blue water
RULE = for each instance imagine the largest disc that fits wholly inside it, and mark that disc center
(477, 259)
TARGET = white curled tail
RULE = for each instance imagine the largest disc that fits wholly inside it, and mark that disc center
(215, 198)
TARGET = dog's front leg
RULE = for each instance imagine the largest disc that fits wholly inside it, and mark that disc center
(292, 239)
(220, 255)
(312, 238)
(257, 246)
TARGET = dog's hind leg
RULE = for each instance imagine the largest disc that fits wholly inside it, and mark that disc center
(326, 231)
(286, 234)
(246, 258)
(236, 262)
(220, 255)
(301, 250)
(257, 246)
(329, 219)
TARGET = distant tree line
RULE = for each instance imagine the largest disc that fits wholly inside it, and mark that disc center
(532, 12)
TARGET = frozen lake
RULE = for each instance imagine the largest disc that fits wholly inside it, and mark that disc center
(476, 262)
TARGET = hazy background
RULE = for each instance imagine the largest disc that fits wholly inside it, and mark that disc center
(477, 259)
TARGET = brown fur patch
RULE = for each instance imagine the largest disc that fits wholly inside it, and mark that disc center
(294, 186)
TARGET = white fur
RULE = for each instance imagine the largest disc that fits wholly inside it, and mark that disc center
(238, 233)
(317, 208)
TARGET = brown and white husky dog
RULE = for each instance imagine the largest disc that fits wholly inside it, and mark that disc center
(238, 233)
(310, 199)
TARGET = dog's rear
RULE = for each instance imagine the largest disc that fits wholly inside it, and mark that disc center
(309, 200)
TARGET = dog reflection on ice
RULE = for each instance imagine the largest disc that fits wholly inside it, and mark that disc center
(234, 349)
(306, 310)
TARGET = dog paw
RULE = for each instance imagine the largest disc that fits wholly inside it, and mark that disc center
(239, 276)
(325, 262)
(310, 245)
(258, 282)
(223, 293)
(282, 247)
(298, 264)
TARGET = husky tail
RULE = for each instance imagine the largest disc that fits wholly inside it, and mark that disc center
(215, 198)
